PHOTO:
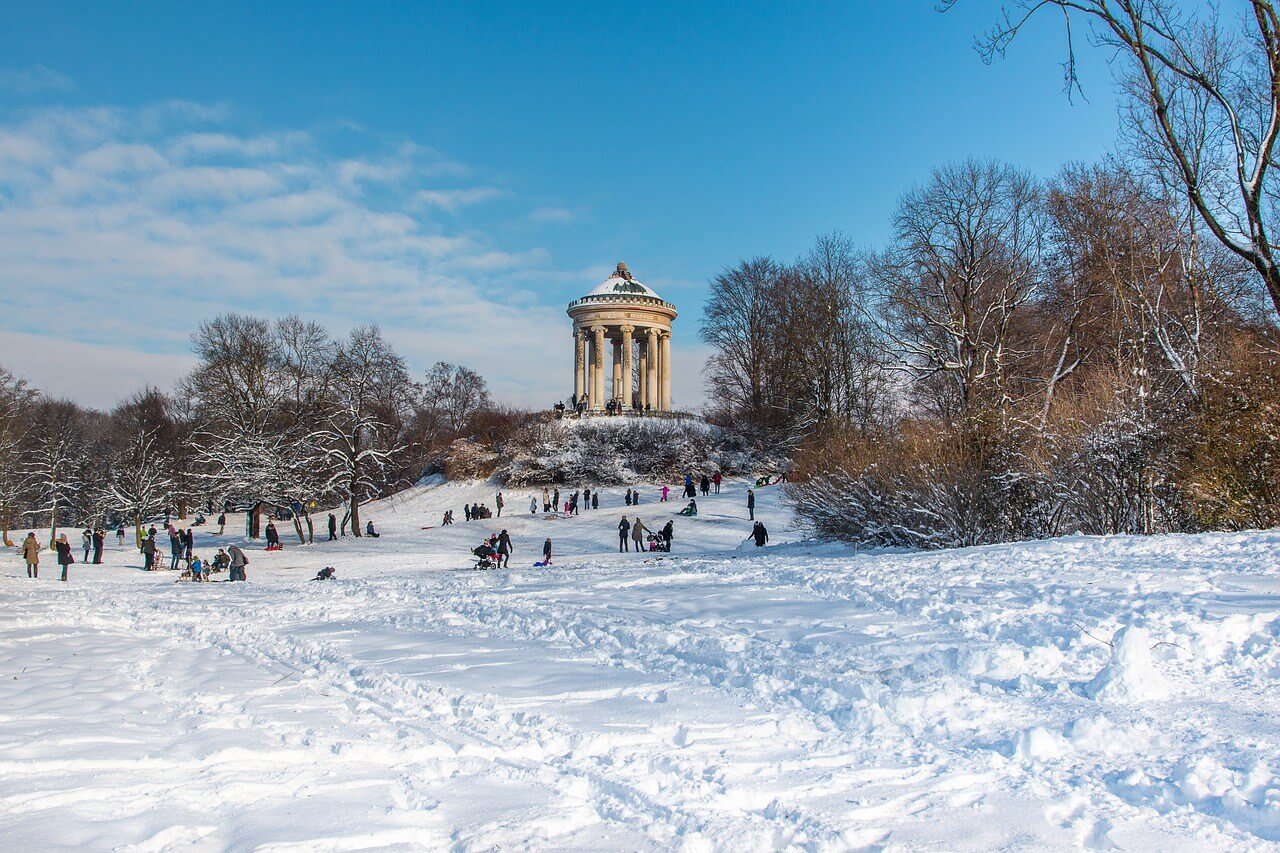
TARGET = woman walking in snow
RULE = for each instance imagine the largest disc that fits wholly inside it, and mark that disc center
(546, 551)
(624, 527)
(533, 506)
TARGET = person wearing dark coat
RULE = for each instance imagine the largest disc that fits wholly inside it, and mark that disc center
(595, 500)
(333, 527)
(689, 491)
(586, 498)
(273, 535)
(188, 544)
(99, 539)
(149, 551)
(705, 485)
(751, 504)
(368, 529)
(546, 551)
(627, 498)
(668, 533)
(760, 534)
(504, 550)
(86, 539)
(65, 557)
(624, 528)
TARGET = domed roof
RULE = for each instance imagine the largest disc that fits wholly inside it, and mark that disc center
(620, 283)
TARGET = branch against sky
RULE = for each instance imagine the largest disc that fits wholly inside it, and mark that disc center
(1204, 105)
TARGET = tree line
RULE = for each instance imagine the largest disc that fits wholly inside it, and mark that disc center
(1026, 357)
(280, 412)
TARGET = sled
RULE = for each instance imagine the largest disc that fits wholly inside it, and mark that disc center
(432, 527)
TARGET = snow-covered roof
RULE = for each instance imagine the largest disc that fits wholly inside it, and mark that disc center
(620, 283)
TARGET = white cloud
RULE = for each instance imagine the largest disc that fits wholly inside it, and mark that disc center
(451, 200)
(551, 215)
(120, 230)
(35, 80)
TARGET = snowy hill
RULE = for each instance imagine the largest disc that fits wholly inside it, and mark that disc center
(1083, 692)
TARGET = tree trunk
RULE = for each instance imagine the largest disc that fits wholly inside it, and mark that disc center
(355, 515)
(297, 526)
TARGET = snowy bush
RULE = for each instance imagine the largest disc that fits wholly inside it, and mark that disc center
(621, 450)
(465, 459)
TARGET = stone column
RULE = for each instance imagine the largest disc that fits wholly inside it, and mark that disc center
(666, 372)
(644, 372)
(626, 367)
(651, 377)
(616, 388)
(597, 368)
(579, 362)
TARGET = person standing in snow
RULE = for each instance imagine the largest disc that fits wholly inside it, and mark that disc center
(705, 485)
(668, 533)
(546, 500)
(626, 499)
(149, 552)
(466, 512)
(175, 548)
(31, 553)
(595, 499)
(273, 537)
(555, 501)
(689, 491)
(238, 561)
(504, 550)
(666, 491)
(760, 534)
(86, 539)
(533, 506)
(120, 535)
(546, 551)
(499, 503)
(586, 498)
(624, 527)
(222, 523)
(65, 557)
(188, 544)
(99, 539)
(715, 481)
(333, 527)
(638, 530)
(751, 504)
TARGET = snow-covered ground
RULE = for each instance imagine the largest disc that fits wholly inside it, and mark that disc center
(1084, 692)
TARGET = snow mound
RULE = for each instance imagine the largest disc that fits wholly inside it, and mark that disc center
(1131, 675)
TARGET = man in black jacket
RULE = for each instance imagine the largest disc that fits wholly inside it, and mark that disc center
(760, 533)
(333, 527)
(751, 504)
(624, 529)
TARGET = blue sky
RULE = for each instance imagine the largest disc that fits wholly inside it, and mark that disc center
(458, 172)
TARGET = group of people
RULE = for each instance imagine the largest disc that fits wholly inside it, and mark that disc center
(495, 552)
(644, 538)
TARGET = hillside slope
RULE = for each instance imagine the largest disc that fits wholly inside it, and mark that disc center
(1084, 692)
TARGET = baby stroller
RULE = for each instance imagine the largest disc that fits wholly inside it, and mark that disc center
(484, 554)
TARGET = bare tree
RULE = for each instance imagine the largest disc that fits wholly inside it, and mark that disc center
(965, 262)
(741, 324)
(1204, 104)
(55, 458)
(358, 427)
(139, 483)
(16, 399)
(454, 394)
